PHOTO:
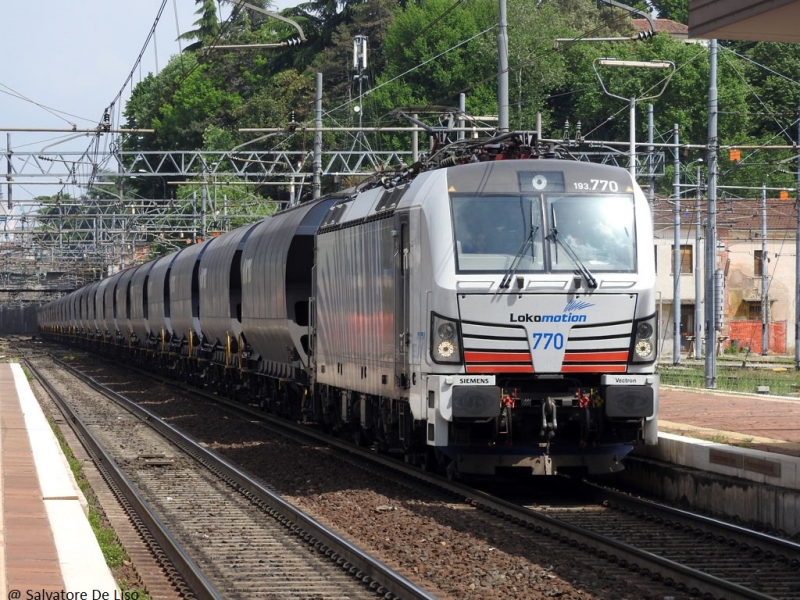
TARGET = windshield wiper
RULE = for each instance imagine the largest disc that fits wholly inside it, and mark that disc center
(590, 280)
(506, 282)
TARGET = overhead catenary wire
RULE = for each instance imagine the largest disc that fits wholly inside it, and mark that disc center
(757, 97)
(456, 46)
(115, 107)
(53, 111)
(150, 36)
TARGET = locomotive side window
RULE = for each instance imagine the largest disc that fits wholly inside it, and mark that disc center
(491, 230)
(600, 230)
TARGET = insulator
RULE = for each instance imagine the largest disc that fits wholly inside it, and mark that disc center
(360, 52)
(719, 298)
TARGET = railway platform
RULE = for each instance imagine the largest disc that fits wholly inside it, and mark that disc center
(753, 437)
(728, 453)
(47, 547)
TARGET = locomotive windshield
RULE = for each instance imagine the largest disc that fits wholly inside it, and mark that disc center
(491, 231)
(494, 231)
(598, 229)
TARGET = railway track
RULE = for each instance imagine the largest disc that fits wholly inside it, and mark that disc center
(735, 556)
(642, 550)
(226, 535)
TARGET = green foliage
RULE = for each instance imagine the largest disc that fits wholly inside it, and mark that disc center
(684, 100)
(676, 10)
(774, 88)
(112, 550)
(427, 33)
(207, 25)
(419, 55)
(540, 78)
(271, 106)
(733, 376)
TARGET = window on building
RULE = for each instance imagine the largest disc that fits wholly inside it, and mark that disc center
(687, 263)
(754, 311)
(757, 263)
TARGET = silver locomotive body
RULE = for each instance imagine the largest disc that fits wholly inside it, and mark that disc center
(534, 351)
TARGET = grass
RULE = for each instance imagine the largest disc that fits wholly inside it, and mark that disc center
(733, 377)
(113, 552)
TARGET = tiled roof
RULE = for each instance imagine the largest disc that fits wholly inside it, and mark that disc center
(733, 214)
(666, 25)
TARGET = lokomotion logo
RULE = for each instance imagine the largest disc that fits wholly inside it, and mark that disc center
(567, 316)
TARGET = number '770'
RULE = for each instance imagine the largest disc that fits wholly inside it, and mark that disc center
(545, 340)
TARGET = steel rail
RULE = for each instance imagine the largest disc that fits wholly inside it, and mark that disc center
(566, 532)
(615, 551)
(186, 567)
(375, 573)
(742, 535)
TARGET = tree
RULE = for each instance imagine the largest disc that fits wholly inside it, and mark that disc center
(773, 76)
(538, 69)
(429, 61)
(207, 26)
(676, 10)
(684, 100)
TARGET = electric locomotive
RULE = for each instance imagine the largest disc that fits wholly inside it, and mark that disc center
(493, 315)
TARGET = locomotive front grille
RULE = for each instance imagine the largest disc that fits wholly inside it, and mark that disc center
(598, 348)
(496, 348)
(595, 348)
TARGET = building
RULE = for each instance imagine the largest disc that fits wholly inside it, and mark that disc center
(758, 20)
(741, 250)
(676, 30)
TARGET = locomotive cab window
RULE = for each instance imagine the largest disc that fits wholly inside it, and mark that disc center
(494, 231)
(598, 231)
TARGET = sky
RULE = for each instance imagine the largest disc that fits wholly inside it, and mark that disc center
(74, 57)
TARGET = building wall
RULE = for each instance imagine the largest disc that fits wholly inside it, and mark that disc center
(736, 257)
(665, 289)
(744, 286)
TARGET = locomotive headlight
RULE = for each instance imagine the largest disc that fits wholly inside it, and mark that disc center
(644, 330)
(447, 330)
(643, 348)
(644, 340)
(445, 341)
(446, 349)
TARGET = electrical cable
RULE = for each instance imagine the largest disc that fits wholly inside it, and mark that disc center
(141, 53)
(435, 21)
(54, 111)
(757, 97)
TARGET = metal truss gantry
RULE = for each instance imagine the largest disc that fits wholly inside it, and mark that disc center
(57, 245)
